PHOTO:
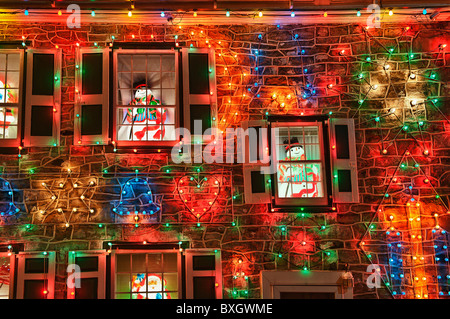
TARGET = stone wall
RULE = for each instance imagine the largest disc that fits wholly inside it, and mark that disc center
(253, 62)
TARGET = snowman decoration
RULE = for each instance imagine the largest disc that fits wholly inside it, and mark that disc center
(292, 177)
(152, 118)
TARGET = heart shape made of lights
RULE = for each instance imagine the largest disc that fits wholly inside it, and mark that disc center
(198, 193)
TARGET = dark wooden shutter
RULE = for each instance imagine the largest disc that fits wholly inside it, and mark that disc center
(91, 96)
(343, 159)
(199, 90)
(43, 102)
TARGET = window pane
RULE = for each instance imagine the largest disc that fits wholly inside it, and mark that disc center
(13, 62)
(139, 63)
(92, 73)
(41, 120)
(171, 282)
(43, 74)
(124, 97)
(154, 81)
(8, 122)
(169, 133)
(154, 263)
(2, 61)
(87, 263)
(154, 63)
(13, 80)
(199, 75)
(168, 80)
(34, 289)
(12, 96)
(204, 262)
(124, 81)
(168, 97)
(168, 63)
(124, 63)
(204, 288)
(123, 283)
(88, 289)
(138, 262)
(170, 262)
(4, 277)
(91, 123)
(123, 263)
(36, 265)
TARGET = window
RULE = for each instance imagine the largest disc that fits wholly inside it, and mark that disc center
(146, 274)
(146, 97)
(203, 274)
(298, 152)
(36, 275)
(6, 275)
(312, 161)
(92, 274)
(11, 70)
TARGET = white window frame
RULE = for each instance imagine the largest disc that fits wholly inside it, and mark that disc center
(203, 99)
(54, 100)
(305, 201)
(16, 141)
(98, 99)
(190, 273)
(115, 97)
(49, 276)
(12, 266)
(273, 283)
(116, 252)
(100, 274)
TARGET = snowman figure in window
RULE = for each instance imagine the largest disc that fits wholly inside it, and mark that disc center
(151, 117)
(151, 284)
(292, 177)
